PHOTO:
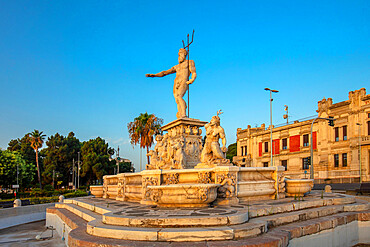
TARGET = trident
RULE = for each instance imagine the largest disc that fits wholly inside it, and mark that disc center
(188, 46)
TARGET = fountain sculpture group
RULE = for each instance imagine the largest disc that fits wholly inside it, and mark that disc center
(190, 192)
(188, 171)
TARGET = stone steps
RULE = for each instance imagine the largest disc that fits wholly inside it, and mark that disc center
(85, 214)
(277, 236)
(141, 230)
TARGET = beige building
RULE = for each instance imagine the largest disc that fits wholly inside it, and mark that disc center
(335, 149)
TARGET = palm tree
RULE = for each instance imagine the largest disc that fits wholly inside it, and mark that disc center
(37, 139)
(142, 130)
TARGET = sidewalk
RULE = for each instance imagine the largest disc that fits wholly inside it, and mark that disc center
(24, 235)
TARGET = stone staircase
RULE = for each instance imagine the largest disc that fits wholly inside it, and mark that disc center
(275, 221)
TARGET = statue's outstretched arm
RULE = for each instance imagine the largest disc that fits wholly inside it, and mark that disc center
(223, 138)
(192, 71)
(162, 73)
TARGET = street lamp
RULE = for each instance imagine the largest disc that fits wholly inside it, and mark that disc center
(286, 116)
(271, 99)
(74, 175)
(57, 174)
(117, 158)
(359, 149)
(272, 161)
(78, 170)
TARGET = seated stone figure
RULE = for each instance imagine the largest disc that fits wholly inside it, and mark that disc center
(213, 154)
(156, 154)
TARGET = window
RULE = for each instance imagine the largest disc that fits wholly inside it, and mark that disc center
(285, 164)
(265, 164)
(368, 128)
(344, 159)
(336, 160)
(306, 143)
(344, 133)
(336, 129)
(285, 143)
(244, 150)
(305, 163)
(266, 147)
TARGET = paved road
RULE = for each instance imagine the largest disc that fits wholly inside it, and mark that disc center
(24, 235)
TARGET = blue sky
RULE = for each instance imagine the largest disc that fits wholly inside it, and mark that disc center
(80, 65)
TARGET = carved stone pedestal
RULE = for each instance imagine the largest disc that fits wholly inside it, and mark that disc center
(180, 148)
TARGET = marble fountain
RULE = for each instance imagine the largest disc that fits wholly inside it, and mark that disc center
(190, 193)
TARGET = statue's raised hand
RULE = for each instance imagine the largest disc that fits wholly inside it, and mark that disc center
(150, 75)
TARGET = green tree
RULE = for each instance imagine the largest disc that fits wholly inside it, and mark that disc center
(59, 154)
(95, 160)
(142, 130)
(125, 167)
(37, 139)
(8, 169)
(23, 146)
(231, 151)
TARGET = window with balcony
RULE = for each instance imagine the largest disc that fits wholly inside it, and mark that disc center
(265, 164)
(336, 160)
(266, 147)
(306, 142)
(285, 164)
(336, 130)
(285, 144)
(344, 159)
(344, 133)
(305, 163)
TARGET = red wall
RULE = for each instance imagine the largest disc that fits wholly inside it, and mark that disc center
(276, 146)
(260, 149)
(294, 143)
(314, 140)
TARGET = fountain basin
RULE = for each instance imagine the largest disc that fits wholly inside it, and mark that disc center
(298, 187)
(96, 190)
(182, 195)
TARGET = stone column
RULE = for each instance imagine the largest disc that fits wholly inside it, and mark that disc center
(227, 177)
(149, 177)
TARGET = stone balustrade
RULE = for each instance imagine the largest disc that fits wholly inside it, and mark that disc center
(233, 183)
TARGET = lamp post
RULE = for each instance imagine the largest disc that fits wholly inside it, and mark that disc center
(117, 158)
(272, 161)
(359, 149)
(74, 169)
(71, 172)
(331, 123)
(78, 170)
(286, 116)
(271, 99)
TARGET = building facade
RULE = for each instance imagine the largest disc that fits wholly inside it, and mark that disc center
(337, 150)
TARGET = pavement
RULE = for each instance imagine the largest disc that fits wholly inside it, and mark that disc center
(25, 235)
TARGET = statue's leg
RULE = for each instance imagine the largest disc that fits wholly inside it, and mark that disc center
(217, 152)
(203, 155)
(206, 155)
(181, 104)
